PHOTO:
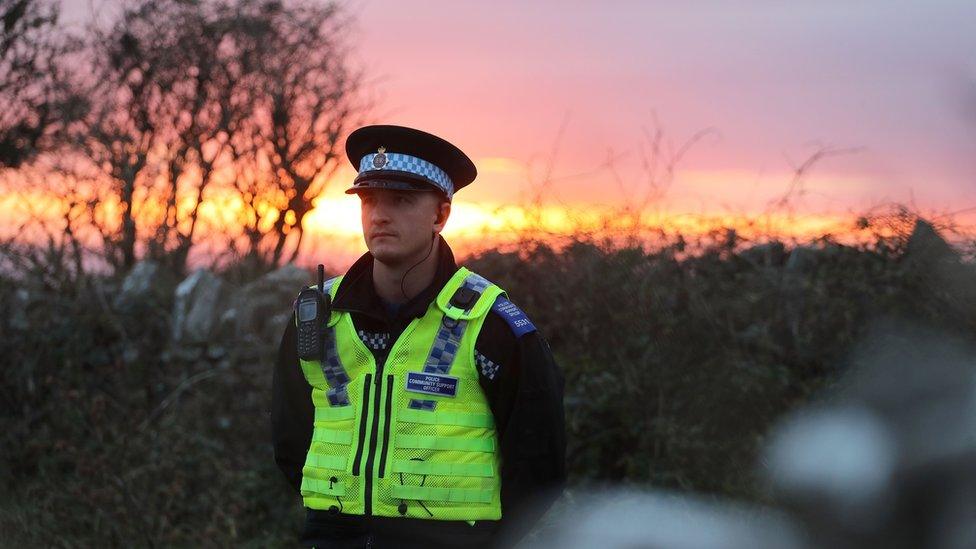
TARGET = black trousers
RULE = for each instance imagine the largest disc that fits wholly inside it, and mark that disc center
(326, 530)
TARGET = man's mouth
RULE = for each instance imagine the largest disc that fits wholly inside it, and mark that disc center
(381, 233)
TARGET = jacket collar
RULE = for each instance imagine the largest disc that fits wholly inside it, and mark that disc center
(356, 293)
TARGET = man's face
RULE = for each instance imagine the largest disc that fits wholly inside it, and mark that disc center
(398, 225)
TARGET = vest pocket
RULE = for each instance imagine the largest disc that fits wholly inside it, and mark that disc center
(324, 477)
(443, 464)
(326, 487)
(328, 454)
(328, 481)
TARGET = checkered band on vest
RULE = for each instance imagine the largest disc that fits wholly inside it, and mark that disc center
(375, 341)
(487, 367)
(335, 374)
(448, 340)
(412, 165)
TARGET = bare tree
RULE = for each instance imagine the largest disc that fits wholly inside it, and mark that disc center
(198, 112)
(188, 100)
(120, 132)
(52, 223)
(254, 94)
(304, 96)
(158, 124)
(35, 88)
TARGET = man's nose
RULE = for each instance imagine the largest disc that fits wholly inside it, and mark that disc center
(379, 214)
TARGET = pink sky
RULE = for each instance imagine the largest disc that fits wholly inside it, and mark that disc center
(897, 79)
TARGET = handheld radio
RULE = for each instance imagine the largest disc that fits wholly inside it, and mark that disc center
(312, 310)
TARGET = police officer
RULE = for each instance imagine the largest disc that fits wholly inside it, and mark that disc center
(433, 417)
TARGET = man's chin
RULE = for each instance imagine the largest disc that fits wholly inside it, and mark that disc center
(387, 256)
(394, 256)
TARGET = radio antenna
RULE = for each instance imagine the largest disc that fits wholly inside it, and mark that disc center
(321, 278)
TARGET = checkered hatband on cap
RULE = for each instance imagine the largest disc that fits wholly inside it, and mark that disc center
(409, 164)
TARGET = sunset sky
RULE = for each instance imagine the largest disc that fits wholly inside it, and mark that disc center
(774, 79)
(895, 81)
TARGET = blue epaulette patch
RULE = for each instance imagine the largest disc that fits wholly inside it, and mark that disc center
(516, 319)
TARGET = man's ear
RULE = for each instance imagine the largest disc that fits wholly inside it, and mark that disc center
(443, 212)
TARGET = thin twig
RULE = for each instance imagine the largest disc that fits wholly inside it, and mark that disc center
(183, 386)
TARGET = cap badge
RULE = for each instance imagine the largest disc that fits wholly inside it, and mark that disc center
(380, 159)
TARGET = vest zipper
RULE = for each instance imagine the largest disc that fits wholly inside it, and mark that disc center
(362, 425)
(374, 432)
(386, 423)
(373, 438)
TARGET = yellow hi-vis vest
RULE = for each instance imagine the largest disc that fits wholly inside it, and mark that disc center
(412, 436)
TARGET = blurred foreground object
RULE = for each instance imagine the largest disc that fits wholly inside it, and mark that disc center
(889, 462)
(619, 519)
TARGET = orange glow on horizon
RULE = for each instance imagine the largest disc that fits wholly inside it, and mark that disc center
(334, 234)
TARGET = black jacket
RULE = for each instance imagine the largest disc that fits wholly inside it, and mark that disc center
(522, 384)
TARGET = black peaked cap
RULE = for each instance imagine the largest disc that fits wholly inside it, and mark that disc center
(413, 142)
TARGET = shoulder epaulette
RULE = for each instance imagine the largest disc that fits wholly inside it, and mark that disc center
(513, 316)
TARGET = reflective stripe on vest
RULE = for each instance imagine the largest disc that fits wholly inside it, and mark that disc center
(333, 372)
(326, 462)
(332, 368)
(454, 495)
(447, 418)
(443, 469)
(334, 414)
(336, 437)
(445, 443)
